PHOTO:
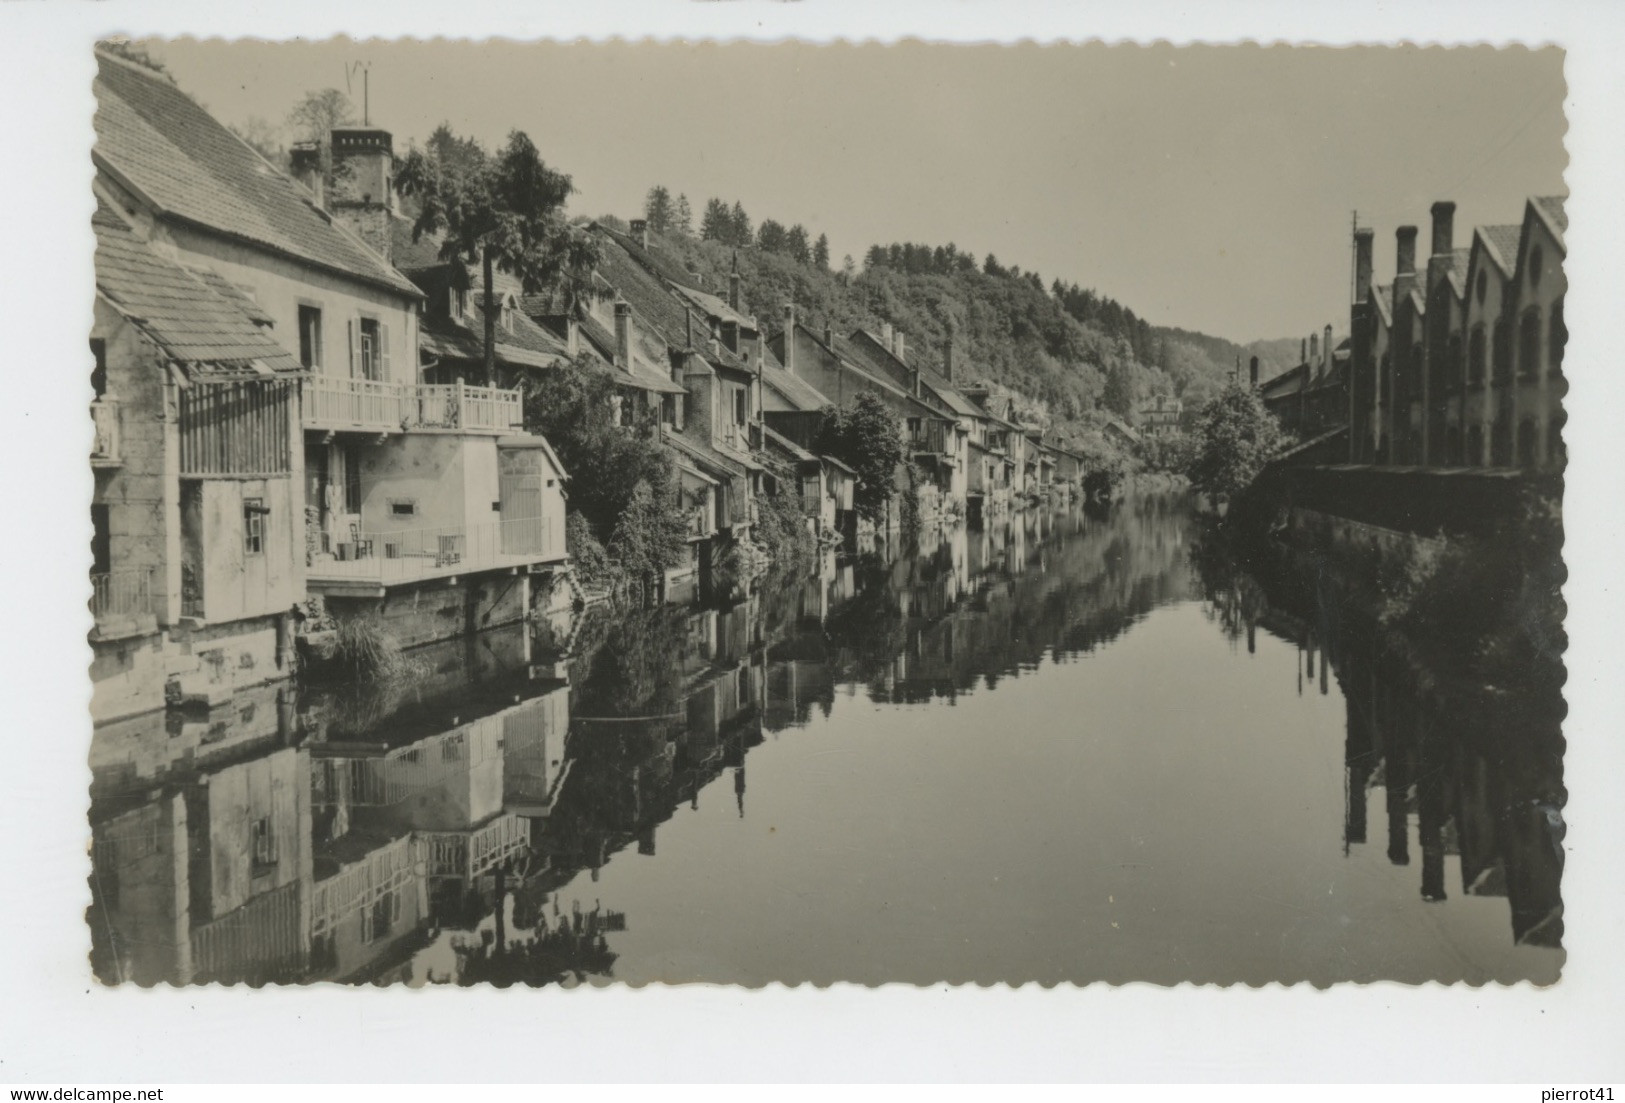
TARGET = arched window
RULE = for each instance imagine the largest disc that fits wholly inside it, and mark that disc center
(1557, 337)
(1501, 352)
(1452, 365)
(1529, 344)
(1526, 443)
(1475, 446)
(1475, 354)
(1501, 443)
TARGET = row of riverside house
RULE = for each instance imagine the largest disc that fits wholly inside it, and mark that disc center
(739, 407)
(277, 416)
(1456, 366)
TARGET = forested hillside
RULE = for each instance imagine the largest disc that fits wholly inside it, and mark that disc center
(1074, 355)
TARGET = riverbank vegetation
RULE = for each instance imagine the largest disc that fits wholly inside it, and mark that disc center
(1233, 438)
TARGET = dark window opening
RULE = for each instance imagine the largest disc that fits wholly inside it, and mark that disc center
(371, 351)
(98, 372)
(310, 337)
(254, 512)
(403, 508)
(1529, 344)
(265, 850)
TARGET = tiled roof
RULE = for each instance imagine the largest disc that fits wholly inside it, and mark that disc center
(713, 307)
(1556, 208)
(158, 141)
(656, 259)
(529, 345)
(644, 375)
(194, 323)
(842, 351)
(1503, 243)
(410, 255)
(785, 444)
(655, 305)
(930, 376)
(796, 391)
(712, 461)
(234, 294)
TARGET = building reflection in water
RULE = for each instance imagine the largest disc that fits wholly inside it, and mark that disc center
(450, 827)
(1463, 779)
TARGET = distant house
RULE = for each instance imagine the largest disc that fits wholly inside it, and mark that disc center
(1160, 416)
(1121, 432)
(1310, 398)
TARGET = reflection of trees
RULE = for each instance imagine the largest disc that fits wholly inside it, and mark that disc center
(634, 667)
(868, 630)
(1232, 595)
(566, 949)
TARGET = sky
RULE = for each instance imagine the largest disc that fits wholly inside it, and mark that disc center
(1210, 188)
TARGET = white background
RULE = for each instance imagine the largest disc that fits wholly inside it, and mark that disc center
(58, 1027)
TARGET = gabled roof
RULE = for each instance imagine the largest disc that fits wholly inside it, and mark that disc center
(654, 303)
(644, 375)
(1383, 296)
(799, 394)
(874, 349)
(713, 307)
(1554, 210)
(180, 310)
(788, 446)
(528, 345)
(159, 143)
(892, 390)
(1502, 245)
(1458, 271)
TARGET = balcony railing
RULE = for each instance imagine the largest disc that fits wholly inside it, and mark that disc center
(108, 447)
(370, 405)
(120, 595)
(408, 554)
(456, 854)
(931, 436)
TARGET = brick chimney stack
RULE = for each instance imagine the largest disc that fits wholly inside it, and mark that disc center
(1405, 269)
(1363, 240)
(733, 283)
(623, 335)
(1444, 218)
(363, 195)
(305, 163)
(1326, 353)
(900, 349)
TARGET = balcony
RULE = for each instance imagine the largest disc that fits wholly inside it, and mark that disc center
(930, 437)
(414, 555)
(122, 602)
(373, 406)
(462, 855)
(107, 451)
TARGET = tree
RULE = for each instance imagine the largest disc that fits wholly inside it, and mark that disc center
(770, 236)
(849, 269)
(573, 407)
(683, 217)
(867, 437)
(740, 223)
(717, 224)
(313, 118)
(504, 212)
(1234, 437)
(795, 244)
(821, 253)
(657, 209)
(1119, 396)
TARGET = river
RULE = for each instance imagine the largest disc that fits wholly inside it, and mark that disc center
(1066, 749)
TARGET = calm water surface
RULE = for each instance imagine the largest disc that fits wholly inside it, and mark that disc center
(1065, 749)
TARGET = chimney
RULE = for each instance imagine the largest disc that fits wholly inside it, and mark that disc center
(623, 335)
(829, 336)
(572, 337)
(886, 336)
(733, 283)
(790, 338)
(1252, 371)
(363, 195)
(688, 322)
(1314, 350)
(1303, 350)
(1326, 353)
(640, 230)
(1444, 216)
(305, 163)
(901, 349)
(1362, 264)
(1405, 270)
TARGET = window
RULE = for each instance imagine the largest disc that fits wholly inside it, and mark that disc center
(1526, 443)
(1529, 343)
(265, 851)
(1557, 337)
(310, 337)
(1475, 354)
(101, 540)
(254, 512)
(1475, 445)
(403, 507)
(1501, 353)
(1537, 261)
(1481, 284)
(740, 414)
(98, 371)
(369, 349)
